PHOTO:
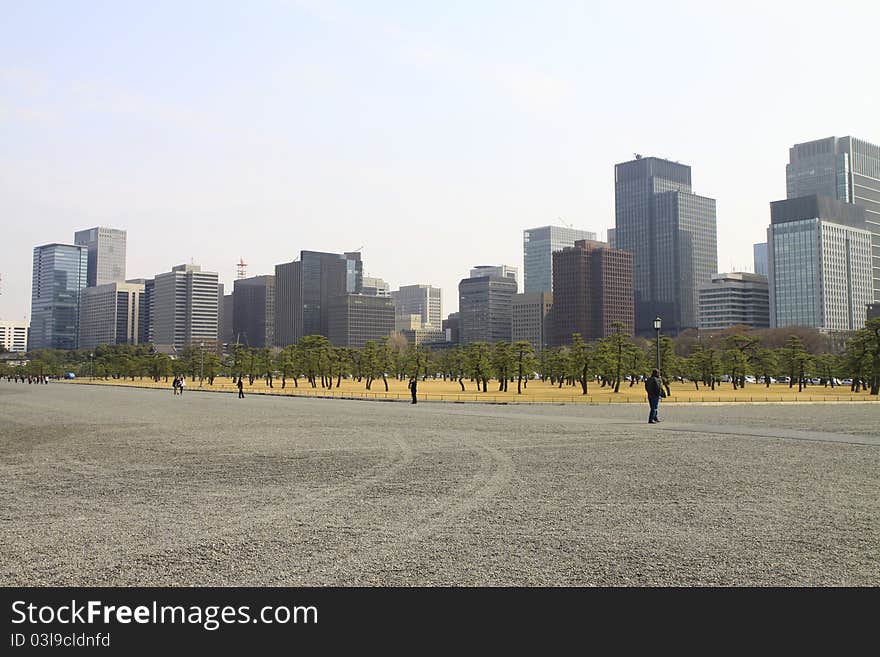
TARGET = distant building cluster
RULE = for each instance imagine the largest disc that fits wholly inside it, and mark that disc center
(819, 267)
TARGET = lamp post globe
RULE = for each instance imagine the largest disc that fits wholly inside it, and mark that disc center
(657, 324)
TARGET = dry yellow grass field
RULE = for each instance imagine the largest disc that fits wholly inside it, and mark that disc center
(535, 392)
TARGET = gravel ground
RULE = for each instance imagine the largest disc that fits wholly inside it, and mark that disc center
(117, 486)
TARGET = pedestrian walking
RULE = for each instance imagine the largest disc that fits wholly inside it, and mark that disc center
(654, 388)
(413, 388)
(240, 389)
(175, 384)
(181, 385)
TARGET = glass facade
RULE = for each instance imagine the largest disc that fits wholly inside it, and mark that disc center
(422, 300)
(759, 253)
(106, 254)
(820, 274)
(671, 233)
(485, 307)
(253, 311)
(846, 169)
(60, 273)
(538, 247)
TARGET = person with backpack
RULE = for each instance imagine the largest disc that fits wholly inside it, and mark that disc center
(654, 388)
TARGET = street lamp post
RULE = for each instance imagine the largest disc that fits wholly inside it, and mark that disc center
(202, 366)
(92, 367)
(657, 324)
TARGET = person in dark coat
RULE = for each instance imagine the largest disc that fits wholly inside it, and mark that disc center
(654, 388)
(240, 389)
(413, 387)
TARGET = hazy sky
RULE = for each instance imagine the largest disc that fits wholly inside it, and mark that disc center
(430, 134)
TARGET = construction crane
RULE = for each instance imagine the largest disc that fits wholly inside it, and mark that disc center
(564, 222)
(241, 269)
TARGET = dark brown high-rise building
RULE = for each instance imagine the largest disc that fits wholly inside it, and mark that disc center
(592, 289)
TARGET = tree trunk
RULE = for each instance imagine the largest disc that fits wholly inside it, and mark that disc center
(386, 382)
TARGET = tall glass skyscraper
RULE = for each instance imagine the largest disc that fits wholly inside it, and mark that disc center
(106, 254)
(846, 169)
(304, 288)
(672, 235)
(538, 247)
(820, 264)
(60, 274)
(759, 253)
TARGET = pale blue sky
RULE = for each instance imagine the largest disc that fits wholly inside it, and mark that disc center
(431, 134)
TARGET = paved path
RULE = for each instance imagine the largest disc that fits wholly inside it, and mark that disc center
(125, 486)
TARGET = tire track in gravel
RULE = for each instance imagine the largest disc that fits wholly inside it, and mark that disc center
(496, 470)
(299, 507)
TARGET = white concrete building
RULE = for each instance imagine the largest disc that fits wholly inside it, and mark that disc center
(13, 335)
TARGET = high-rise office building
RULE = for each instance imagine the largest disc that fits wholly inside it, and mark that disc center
(422, 300)
(304, 287)
(145, 323)
(671, 233)
(735, 299)
(610, 239)
(539, 245)
(106, 254)
(503, 271)
(530, 318)
(59, 276)
(253, 310)
(820, 264)
(185, 308)
(846, 169)
(452, 327)
(13, 335)
(354, 319)
(485, 307)
(110, 314)
(593, 291)
(227, 335)
(759, 254)
(375, 287)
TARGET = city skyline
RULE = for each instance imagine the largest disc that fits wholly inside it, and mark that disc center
(442, 130)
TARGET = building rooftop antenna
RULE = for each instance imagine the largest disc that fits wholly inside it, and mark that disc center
(241, 269)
